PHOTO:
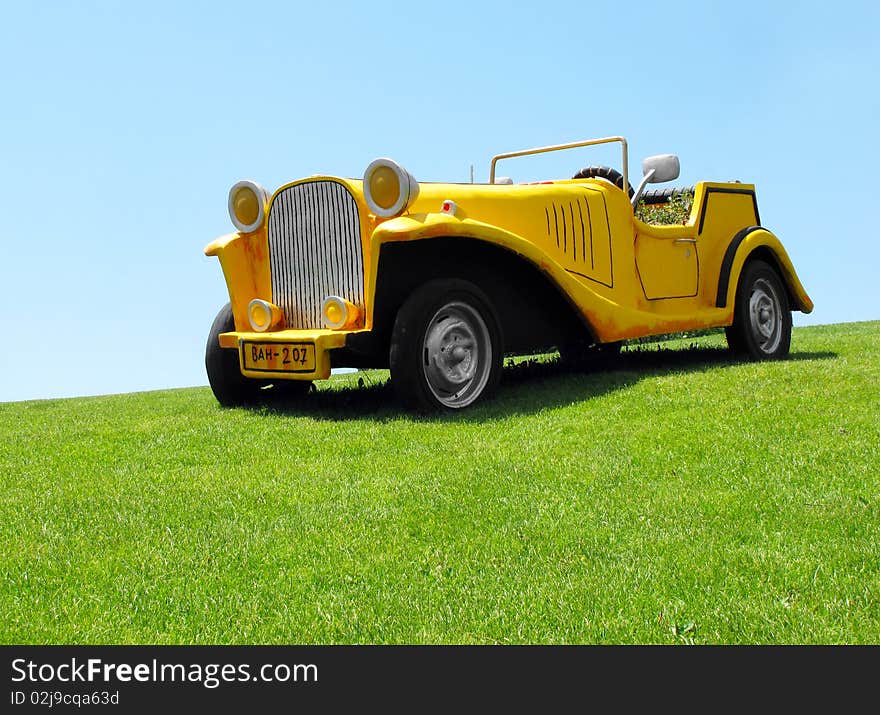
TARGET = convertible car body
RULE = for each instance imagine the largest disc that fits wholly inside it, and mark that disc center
(440, 281)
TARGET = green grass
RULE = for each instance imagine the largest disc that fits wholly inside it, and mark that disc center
(681, 497)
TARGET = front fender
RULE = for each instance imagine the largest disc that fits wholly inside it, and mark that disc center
(415, 227)
(244, 258)
(742, 246)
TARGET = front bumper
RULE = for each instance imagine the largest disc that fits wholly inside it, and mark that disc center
(316, 367)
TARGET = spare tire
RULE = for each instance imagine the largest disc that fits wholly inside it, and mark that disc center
(607, 173)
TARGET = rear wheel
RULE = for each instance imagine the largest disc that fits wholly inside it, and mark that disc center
(761, 326)
(446, 347)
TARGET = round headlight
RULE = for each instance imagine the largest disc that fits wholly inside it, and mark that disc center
(389, 188)
(247, 205)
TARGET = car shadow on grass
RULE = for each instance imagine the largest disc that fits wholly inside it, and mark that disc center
(527, 386)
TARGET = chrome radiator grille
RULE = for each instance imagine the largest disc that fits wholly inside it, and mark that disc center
(314, 250)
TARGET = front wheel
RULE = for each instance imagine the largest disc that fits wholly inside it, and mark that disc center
(446, 347)
(229, 386)
(761, 326)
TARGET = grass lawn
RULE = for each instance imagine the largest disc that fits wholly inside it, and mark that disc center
(679, 497)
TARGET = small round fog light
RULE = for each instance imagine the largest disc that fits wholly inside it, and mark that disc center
(339, 313)
(262, 315)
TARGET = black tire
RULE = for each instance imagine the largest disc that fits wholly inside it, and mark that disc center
(229, 386)
(446, 347)
(605, 172)
(761, 327)
(656, 197)
(583, 356)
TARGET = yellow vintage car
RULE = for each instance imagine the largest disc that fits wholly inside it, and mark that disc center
(439, 281)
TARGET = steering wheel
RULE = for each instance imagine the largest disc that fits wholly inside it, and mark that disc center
(607, 173)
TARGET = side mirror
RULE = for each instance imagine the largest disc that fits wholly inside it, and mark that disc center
(660, 168)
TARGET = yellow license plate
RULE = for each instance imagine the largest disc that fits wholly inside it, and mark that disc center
(278, 357)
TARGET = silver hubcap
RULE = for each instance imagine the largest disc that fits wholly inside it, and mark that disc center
(457, 355)
(765, 316)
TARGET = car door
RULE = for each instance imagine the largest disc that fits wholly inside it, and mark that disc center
(668, 263)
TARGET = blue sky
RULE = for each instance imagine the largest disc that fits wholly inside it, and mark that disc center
(124, 124)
